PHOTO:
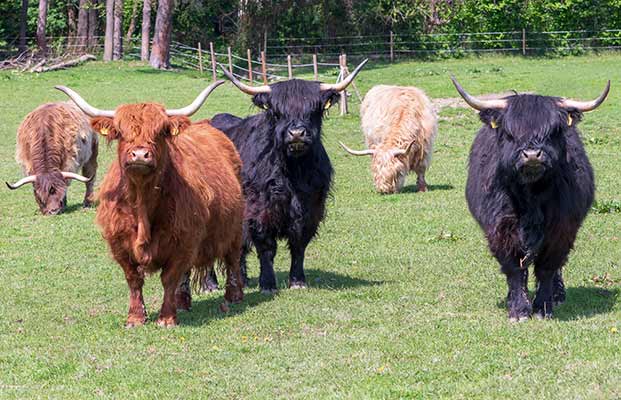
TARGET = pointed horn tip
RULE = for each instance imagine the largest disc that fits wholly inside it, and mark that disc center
(9, 185)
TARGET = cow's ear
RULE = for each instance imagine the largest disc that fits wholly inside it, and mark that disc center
(573, 117)
(329, 98)
(262, 100)
(105, 127)
(178, 125)
(491, 118)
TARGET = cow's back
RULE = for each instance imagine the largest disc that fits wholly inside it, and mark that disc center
(394, 116)
(55, 136)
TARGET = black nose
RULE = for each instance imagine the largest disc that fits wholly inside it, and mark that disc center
(532, 156)
(140, 155)
(297, 133)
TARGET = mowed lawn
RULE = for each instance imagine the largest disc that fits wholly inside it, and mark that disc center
(405, 300)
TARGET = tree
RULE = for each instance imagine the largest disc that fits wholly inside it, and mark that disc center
(132, 22)
(82, 25)
(109, 30)
(161, 35)
(41, 23)
(93, 19)
(146, 30)
(23, 22)
(117, 52)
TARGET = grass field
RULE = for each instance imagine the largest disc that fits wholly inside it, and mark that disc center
(404, 299)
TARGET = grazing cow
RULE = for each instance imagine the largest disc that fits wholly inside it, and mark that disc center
(171, 201)
(53, 143)
(399, 128)
(530, 186)
(286, 171)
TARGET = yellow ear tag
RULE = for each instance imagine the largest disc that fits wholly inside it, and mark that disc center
(494, 124)
(328, 104)
(570, 120)
(103, 131)
(175, 131)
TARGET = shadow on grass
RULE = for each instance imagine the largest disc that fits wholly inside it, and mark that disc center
(585, 302)
(73, 208)
(581, 302)
(205, 310)
(414, 189)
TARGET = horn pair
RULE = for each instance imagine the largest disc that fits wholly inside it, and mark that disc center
(254, 90)
(180, 112)
(369, 152)
(478, 104)
(32, 178)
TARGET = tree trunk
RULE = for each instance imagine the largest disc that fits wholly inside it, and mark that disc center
(82, 26)
(146, 30)
(93, 19)
(41, 22)
(72, 26)
(109, 30)
(23, 22)
(132, 23)
(161, 35)
(117, 52)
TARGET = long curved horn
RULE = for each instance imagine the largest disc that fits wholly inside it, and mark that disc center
(367, 152)
(476, 103)
(196, 104)
(586, 106)
(77, 177)
(251, 90)
(83, 105)
(345, 82)
(21, 182)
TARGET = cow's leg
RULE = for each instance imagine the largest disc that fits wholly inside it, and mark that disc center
(210, 282)
(519, 305)
(542, 305)
(137, 314)
(233, 292)
(558, 288)
(183, 295)
(265, 243)
(297, 248)
(89, 170)
(420, 170)
(170, 276)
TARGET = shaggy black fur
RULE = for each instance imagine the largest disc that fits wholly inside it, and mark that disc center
(530, 215)
(286, 173)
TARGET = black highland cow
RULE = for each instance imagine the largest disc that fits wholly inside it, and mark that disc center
(530, 186)
(286, 173)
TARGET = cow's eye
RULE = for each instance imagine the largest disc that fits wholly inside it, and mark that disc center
(52, 191)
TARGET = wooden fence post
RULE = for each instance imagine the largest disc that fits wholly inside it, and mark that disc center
(200, 58)
(213, 62)
(249, 66)
(343, 63)
(315, 73)
(289, 67)
(523, 41)
(392, 47)
(264, 67)
(228, 49)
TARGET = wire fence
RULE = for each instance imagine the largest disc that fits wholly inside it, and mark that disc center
(321, 57)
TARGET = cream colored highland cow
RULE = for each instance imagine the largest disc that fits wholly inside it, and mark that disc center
(399, 127)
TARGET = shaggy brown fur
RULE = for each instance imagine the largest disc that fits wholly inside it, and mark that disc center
(395, 117)
(56, 137)
(184, 212)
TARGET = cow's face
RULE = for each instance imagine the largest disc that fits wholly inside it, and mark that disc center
(142, 131)
(50, 192)
(389, 171)
(531, 133)
(296, 109)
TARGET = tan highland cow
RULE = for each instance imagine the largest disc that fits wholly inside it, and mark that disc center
(399, 127)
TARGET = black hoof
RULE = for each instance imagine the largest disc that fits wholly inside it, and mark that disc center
(297, 285)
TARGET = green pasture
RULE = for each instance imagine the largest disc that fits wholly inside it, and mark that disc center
(404, 301)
